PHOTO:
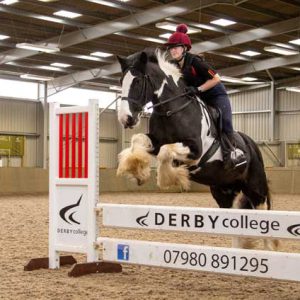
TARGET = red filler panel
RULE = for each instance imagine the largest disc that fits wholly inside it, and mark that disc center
(73, 145)
(67, 148)
(60, 160)
(86, 145)
(80, 145)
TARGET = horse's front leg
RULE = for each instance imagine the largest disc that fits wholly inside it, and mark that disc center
(134, 162)
(169, 175)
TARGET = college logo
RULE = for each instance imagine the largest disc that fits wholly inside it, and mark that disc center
(142, 220)
(67, 213)
(294, 229)
(123, 252)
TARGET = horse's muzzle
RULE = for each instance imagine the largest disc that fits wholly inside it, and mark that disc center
(130, 122)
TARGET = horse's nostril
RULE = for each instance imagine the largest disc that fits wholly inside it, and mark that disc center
(130, 120)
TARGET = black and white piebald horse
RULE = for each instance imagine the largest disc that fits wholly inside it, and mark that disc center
(182, 137)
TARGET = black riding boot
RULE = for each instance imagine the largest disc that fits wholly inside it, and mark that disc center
(233, 157)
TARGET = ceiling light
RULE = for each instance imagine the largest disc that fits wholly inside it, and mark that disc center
(238, 80)
(51, 19)
(116, 88)
(172, 27)
(296, 42)
(279, 50)
(295, 68)
(230, 79)
(36, 77)
(60, 65)
(282, 45)
(154, 40)
(101, 54)
(67, 14)
(250, 53)
(165, 35)
(43, 48)
(3, 37)
(50, 68)
(222, 22)
(249, 78)
(9, 2)
(293, 89)
(106, 2)
(87, 57)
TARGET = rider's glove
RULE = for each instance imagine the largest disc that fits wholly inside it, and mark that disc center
(192, 90)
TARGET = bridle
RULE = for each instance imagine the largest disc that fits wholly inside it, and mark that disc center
(147, 81)
(144, 93)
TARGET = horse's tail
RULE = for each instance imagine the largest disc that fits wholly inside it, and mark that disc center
(256, 150)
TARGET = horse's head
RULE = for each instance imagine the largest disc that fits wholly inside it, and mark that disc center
(135, 87)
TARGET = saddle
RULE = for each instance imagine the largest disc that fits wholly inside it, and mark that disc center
(216, 118)
(217, 132)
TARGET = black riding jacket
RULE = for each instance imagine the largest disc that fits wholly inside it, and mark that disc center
(196, 72)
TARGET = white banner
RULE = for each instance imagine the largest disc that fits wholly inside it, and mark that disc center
(252, 223)
(254, 263)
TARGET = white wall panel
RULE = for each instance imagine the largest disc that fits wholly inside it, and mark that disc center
(109, 125)
(250, 113)
(108, 155)
(288, 115)
(30, 157)
(18, 116)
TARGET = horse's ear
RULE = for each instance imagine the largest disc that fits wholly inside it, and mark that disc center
(143, 58)
(123, 62)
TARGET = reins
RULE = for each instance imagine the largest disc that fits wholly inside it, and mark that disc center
(160, 103)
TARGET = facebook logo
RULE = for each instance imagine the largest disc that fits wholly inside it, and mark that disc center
(123, 252)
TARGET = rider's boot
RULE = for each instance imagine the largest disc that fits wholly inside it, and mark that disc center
(233, 157)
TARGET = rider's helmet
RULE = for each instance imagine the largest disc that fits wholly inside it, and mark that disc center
(180, 38)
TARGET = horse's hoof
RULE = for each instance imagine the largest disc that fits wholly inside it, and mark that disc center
(140, 182)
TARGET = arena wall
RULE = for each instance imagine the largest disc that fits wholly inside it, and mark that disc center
(35, 180)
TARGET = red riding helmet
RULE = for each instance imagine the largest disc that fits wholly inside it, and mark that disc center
(180, 38)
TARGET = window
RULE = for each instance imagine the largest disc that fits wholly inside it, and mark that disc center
(18, 89)
(77, 96)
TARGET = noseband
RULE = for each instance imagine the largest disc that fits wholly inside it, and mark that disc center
(147, 81)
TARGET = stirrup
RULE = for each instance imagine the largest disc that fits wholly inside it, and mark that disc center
(235, 159)
(238, 158)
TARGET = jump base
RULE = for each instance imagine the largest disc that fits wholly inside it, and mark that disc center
(43, 262)
(94, 267)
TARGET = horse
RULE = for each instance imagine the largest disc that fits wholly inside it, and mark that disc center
(184, 138)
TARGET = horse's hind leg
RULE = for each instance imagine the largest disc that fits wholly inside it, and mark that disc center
(226, 197)
(134, 162)
(233, 197)
(256, 197)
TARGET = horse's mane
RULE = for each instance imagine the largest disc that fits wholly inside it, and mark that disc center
(159, 57)
(168, 68)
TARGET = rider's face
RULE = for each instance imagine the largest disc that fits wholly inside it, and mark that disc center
(176, 52)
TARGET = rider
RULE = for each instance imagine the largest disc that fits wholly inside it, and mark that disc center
(204, 81)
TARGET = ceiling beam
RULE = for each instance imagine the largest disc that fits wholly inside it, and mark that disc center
(124, 23)
(260, 65)
(248, 35)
